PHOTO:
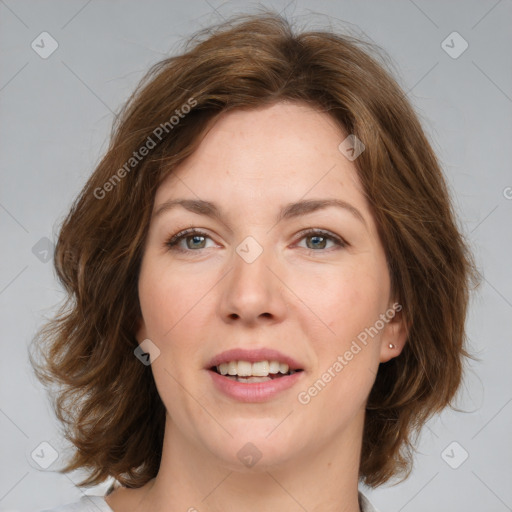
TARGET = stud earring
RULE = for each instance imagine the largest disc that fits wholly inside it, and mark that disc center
(391, 346)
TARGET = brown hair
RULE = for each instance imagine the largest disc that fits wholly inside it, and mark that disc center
(105, 398)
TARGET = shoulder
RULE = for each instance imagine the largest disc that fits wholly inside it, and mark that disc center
(365, 504)
(85, 504)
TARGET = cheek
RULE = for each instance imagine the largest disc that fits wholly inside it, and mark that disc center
(176, 310)
(346, 299)
(346, 362)
(349, 300)
(165, 298)
(355, 303)
(155, 302)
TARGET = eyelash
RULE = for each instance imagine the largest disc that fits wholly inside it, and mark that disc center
(172, 243)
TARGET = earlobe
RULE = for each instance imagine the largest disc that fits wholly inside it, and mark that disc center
(394, 337)
(389, 351)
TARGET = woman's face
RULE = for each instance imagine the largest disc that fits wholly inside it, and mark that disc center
(271, 271)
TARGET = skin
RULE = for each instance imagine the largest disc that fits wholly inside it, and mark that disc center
(304, 296)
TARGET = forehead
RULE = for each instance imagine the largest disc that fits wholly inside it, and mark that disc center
(278, 153)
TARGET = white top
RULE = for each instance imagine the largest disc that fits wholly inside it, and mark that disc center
(98, 504)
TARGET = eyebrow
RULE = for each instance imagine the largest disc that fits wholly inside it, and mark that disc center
(289, 211)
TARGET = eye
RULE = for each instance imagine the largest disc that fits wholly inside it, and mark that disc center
(319, 239)
(197, 240)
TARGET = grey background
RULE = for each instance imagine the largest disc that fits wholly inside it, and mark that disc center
(56, 115)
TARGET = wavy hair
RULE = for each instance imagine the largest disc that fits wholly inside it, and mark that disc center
(105, 399)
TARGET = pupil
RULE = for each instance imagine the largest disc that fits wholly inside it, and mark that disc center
(196, 237)
(318, 238)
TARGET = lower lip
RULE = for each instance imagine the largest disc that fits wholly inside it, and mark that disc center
(254, 391)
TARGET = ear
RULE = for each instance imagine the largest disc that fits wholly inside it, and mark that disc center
(394, 335)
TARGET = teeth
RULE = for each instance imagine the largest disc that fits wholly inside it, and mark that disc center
(247, 369)
(232, 368)
(259, 369)
(274, 367)
(244, 369)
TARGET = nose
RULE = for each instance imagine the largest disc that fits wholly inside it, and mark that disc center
(254, 289)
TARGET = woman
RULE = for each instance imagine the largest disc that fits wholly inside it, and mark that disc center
(252, 274)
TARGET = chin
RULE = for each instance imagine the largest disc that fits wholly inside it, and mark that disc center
(254, 450)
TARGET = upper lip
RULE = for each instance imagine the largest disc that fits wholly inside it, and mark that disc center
(253, 356)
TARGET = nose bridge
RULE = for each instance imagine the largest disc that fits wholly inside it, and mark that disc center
(252, 289)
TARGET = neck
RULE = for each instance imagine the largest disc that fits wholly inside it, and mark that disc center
(323, 478)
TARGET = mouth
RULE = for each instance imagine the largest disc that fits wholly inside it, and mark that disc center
(257, 375)
(254, 375)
